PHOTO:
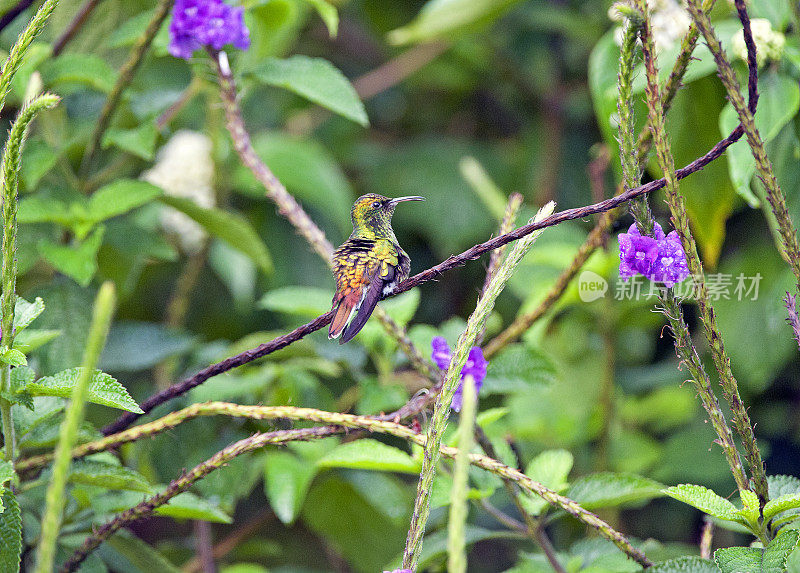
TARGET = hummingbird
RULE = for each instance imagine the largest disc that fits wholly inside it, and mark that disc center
(368, 266)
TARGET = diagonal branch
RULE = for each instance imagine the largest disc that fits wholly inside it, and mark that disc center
(432, 273)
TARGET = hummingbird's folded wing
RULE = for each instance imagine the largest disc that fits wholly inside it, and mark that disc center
(372, 294)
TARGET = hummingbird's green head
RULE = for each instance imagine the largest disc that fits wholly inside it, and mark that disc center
(372, 214)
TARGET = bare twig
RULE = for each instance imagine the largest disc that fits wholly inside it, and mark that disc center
(74, 26)
(13, 12)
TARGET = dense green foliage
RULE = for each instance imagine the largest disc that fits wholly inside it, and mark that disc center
(501, 96)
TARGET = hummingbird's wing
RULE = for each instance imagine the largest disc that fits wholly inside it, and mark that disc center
(372, 294)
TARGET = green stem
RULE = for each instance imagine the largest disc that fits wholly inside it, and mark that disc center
(337, 423)
(441, 408)
(680, 221)
(789, 248)
(456, 541)
(101, 320)
(5, 411)
(124, 79)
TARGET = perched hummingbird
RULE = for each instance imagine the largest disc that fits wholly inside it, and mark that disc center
(368, 265)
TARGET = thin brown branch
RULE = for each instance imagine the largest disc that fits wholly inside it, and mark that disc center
(231, 541)
(432, 273)
(74, 26)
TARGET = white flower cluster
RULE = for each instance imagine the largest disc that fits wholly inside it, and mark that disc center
(669, 22)
(184, 168)
(769, 42)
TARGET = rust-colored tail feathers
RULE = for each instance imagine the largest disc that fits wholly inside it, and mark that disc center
(355, 308)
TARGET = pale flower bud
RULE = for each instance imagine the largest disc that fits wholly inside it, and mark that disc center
(184, 168)
(769, 42)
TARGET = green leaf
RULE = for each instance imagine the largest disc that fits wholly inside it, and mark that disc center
(368, 454)
(139, 141)
(33, 338)
(287, 479)
(776, 506)
(705, 500)
(40, 158)
(82, 69)
(6, 475)
(308, 171)
(771, 559)
(230, 227)
(134, 346)
(119, 197)
(444, 18)
(518, 368)
(298, 300)
(39, 210)
(107, 475)
(611, 489)
(777, 105)
(780, 485)
(13, 357)
(550, 468)
(318, 81)
(329, 15)
(684, 565)
(10, 533)
(187, 505)
(26, 312)
(78, 262)
(103, 389)
(139, 556)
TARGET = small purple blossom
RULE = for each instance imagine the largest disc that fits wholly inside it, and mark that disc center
(659, 258)
(199, 23)
(475, 367)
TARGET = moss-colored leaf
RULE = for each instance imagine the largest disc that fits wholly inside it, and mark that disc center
(368, 454)
(103, 389)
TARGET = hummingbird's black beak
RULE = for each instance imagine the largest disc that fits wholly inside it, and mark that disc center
(394, 202)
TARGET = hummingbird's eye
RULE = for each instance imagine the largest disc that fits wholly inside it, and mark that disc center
(376, 204)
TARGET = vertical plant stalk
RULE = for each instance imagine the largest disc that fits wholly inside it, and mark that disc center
(680, 221)
(441, 408)
(597, 236)
(789, 248)
(101, 320)
(456, 531)
(793, 319)
(10, 170)
(290, 209)
(124, 79)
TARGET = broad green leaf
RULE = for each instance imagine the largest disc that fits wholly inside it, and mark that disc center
(139, 556)
(445, 18)
(783, 503)
(780, 485)
(550, 468)
(83, 69)
(230, 227)
(107, 475)
(368, 454)
(337, 512)
(119, 197)
(771, 559)
(79, 262)
(6, 475)
(684, 565)
(103, 389)
(308, 171)
(40, 158)
(37, 210)
(316, 80)
(187, 505)
(26, 312)
(139, 141)
(329, 14)
(286, 481)
(10, 533)
(134, 346)
(750, 511)
(33, 338)
(298, 300)
(704, 499)
(13, 357)
(611, 489)
(518, 368)
(777, 105)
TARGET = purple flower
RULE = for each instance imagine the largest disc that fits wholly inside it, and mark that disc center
(475, 367)
(199, 23)
(659, 258)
